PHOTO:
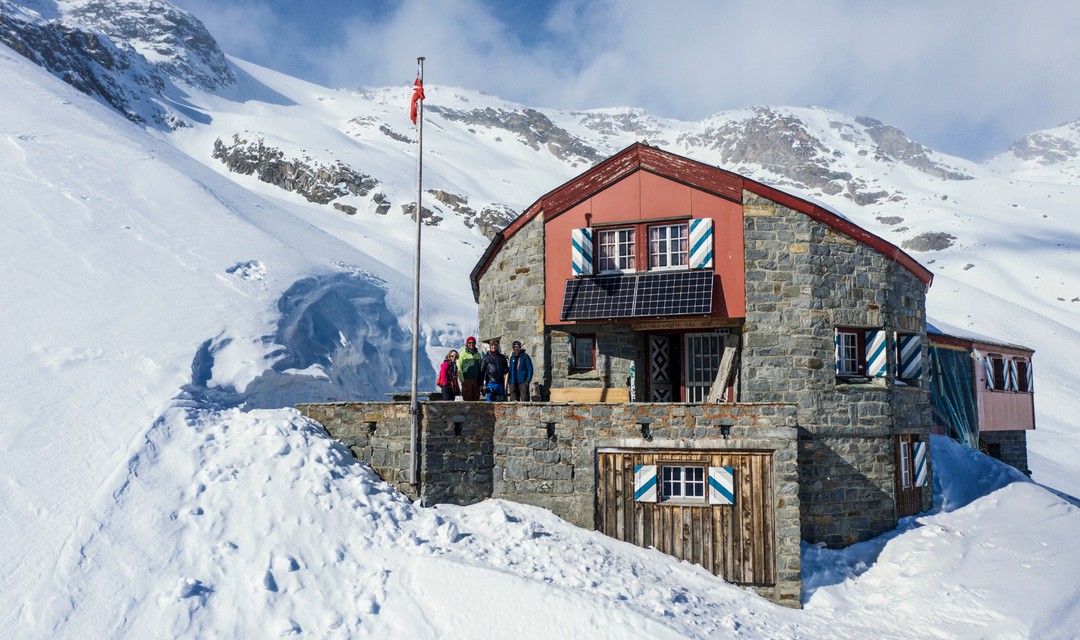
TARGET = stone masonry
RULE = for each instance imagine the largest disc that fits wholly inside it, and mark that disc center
(513, 298)
(1012, 446)
(803, 280)
(544, 454)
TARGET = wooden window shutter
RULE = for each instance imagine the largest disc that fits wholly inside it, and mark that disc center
(581, 251)
(909, 356)
(721, 485)
(988, 370)
(701, 243)
(921, 467)
(876, 359)
(1011, 383)
(645, 482)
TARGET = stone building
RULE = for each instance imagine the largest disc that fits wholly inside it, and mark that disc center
(723, 371)
(654, 278)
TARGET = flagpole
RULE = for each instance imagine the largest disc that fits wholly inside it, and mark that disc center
(414, 408)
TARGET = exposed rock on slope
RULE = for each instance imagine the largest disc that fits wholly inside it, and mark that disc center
(316, 182)
(530, 126)
(123, 52)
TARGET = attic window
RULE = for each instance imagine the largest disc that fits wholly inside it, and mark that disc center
(615, 250)
(668, 245)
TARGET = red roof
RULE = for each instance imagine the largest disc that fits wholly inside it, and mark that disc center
(719, 182)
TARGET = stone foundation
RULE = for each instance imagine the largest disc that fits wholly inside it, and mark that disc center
(544, 454)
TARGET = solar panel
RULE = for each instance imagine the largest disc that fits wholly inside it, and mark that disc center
(638, 295)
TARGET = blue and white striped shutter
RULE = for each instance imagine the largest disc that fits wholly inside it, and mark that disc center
(1011, 383)
(988, 370)
(645, 482)
(909, 356)
(701, 243)
(920, 464)
(721, 485)
(581, 251)
(877, 361)
(1030, 379)
(836, 350)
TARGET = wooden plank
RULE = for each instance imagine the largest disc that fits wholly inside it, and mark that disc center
(585, 395)
(723, 374)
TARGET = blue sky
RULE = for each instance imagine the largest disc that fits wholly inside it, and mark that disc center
(965, 77)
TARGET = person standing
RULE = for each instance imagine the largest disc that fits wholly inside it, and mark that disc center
(469, 371)
(448, 376)
(494, 368)
(520, 375)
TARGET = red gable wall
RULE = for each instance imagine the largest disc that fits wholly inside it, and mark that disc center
(643, 196)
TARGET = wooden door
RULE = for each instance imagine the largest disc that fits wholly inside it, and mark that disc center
(734, 541)
(910, 460)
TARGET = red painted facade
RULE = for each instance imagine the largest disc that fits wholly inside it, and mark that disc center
(637, 201)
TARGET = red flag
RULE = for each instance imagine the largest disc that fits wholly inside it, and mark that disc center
(417, 94)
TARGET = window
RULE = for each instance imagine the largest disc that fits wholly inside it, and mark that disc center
(997, 366)
(905, 464)
(682, 482)
(860, 353)
(849, 359)
(1023, 375)
(668, 246)
(583, 353)
(616, 250)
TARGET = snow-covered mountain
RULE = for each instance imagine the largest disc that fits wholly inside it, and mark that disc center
(184, 233)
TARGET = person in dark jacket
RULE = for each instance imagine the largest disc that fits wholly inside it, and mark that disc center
(520, 374)
(448, 376)
(493, 368)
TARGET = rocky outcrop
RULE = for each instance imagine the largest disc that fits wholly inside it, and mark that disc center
(176, 41)
(892, 144)
(778, 142)
(531, 127)
(126, 53)
(1054, 146)
(930, 241)
(316, 182)
(489, 220)
(88, 62)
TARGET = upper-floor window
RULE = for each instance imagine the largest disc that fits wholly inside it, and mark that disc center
(996, 379)
(615, 250)
(1023, 375)
(850, 360)
(668, 245)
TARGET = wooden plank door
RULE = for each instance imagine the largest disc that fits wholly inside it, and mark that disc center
(736, 541)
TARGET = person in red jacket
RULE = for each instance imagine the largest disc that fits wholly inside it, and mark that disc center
(448, 376)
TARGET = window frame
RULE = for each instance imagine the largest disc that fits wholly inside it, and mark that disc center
(859, 335)
(666, 481)
(997, 364)
(1023, 365)
(907, 470)
(575, 367)
(683, 250)
(620, 244)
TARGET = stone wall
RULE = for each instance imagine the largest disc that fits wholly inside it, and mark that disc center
(544, 454)
(804, 279)
(1012, 444)
(512, 297)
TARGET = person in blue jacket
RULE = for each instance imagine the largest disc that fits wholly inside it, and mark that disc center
(520, 375)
